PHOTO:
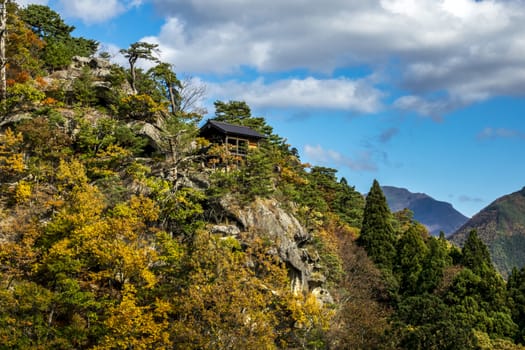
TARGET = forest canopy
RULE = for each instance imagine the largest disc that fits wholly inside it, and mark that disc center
(121, 227)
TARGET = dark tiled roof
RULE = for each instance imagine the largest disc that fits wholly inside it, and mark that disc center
(231, 129)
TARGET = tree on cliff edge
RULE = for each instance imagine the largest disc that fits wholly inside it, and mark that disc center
(377, 234)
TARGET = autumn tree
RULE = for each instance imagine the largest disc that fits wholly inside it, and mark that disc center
(362, 318)
(23, 48)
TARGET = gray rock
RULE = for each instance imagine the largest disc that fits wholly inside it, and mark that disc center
(266, 218)
(226, 230)
(322, 295)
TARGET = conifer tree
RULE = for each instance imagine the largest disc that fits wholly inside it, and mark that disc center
(411, 251)
(476, 255)
(516, 290)
(377, 234)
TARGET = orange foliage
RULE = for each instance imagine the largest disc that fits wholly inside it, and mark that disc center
(22, 77)
(49, 101)
(41, 82)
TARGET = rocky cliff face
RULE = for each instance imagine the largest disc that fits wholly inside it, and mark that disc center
(267, 219)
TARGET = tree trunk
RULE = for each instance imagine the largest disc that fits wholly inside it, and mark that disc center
(3, 60)
(133, 76)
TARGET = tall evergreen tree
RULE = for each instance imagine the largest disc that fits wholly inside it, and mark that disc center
(377, 234)
(476, 255)
(516, 290)
(411, 252)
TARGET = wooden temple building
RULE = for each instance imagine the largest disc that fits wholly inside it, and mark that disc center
(238, 139)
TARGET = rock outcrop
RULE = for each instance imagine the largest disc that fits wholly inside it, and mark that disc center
(99, 70)
(266, 218)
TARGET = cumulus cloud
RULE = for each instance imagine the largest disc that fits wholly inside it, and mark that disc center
(320, 155)
(344, 94)
(93, 11)
(467, 50)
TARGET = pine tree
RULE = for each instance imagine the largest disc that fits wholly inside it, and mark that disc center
(377, 234)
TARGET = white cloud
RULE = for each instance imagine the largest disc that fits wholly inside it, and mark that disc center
(425, 107)
(24, 3)
(470, 50)
(343, 94)
(320, 155)
(96, 11)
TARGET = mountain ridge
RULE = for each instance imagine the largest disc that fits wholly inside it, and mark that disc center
(501, 226)
(436, 215)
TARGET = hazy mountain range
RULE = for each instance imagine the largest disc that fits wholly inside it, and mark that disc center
(436, 215)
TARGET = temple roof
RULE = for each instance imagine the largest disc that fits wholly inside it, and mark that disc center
(230, 129)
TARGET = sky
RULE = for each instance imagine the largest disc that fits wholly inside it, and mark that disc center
(427, 95)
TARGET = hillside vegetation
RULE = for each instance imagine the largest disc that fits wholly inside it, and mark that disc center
(501, 226)
(120, 228)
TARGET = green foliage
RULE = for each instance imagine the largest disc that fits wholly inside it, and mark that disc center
(106, 132)
(136, 51)
(239, 113)
(21, 96)
(516, 291)
(377, 235)
(164, 75)
(60, 45)
(83, 91)
(475, 254)
(184, 210)
(103, 246)
(411, 252)
(434, 264)
(255, 177)
(426, 322)
(46, 137)
(45, 22)
(139, 107)
(349, 204)
(57, 54)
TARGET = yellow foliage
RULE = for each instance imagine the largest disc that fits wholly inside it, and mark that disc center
(71, 173)
(132, 326)
(484, 342)
(22, 191)
(11, 159)
(310, 314)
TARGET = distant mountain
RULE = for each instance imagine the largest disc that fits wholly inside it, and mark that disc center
(501, 226)
(435, 215)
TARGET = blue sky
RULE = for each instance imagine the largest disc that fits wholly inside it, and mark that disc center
(422, 94)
